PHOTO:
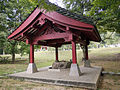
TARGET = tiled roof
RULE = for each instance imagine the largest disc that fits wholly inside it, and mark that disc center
(72, 15)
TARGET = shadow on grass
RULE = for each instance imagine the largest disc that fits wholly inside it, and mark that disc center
(100, 83)
(17, 61)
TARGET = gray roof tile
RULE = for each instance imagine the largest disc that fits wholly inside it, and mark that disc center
(72, 15)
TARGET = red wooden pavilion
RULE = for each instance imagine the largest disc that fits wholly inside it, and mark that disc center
(55, 29)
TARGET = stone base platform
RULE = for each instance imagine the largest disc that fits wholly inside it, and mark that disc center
(88, 79)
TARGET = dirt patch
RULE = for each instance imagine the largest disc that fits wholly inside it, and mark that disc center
(110, 66)
(109, 82)
(117, 56)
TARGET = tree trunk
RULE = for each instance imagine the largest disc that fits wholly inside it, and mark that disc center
(13, 57)
(13, 44)
(3, 52)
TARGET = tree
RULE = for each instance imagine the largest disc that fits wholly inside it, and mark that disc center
(107, 15)
(43, 4)
(78, 6)
(3, 41)
(12, 12)
(3, 29)
(11, 47)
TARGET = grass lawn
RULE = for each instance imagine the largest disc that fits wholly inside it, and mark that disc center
(108, 58)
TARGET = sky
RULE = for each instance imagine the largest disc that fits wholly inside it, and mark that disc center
(57, 2)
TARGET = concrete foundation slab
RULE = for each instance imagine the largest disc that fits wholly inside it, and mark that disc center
(88, 79)
(54, 70)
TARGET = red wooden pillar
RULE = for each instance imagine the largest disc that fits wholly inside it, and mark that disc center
(74, 58)
(86, 52)
(56, 52)
(86, 61)
(31, 53)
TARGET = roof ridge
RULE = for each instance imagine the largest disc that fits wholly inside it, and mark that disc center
(72, 15)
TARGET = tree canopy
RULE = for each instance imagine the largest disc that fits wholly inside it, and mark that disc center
(105, 13)
(12, 13)
(43, 4)
(78, 6)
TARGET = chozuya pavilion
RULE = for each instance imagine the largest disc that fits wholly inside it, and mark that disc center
(54, 29)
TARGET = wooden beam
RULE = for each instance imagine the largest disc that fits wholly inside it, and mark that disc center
(34, 15)
(63, 28)
(82, 42)
(46, 44)
(27, 28)
(27, 41)
(52, 36)
(55, 41)
(45, 26)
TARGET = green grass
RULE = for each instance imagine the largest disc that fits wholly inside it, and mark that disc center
(104, 53)
(98, 57)
(108, 58)
(50, 55)
(11, 68)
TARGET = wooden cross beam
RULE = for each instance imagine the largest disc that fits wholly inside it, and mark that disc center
(52, 36)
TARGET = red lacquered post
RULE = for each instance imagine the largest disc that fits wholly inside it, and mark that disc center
(31, 53)
(74, 58)
(56, 52)
(86, 52)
